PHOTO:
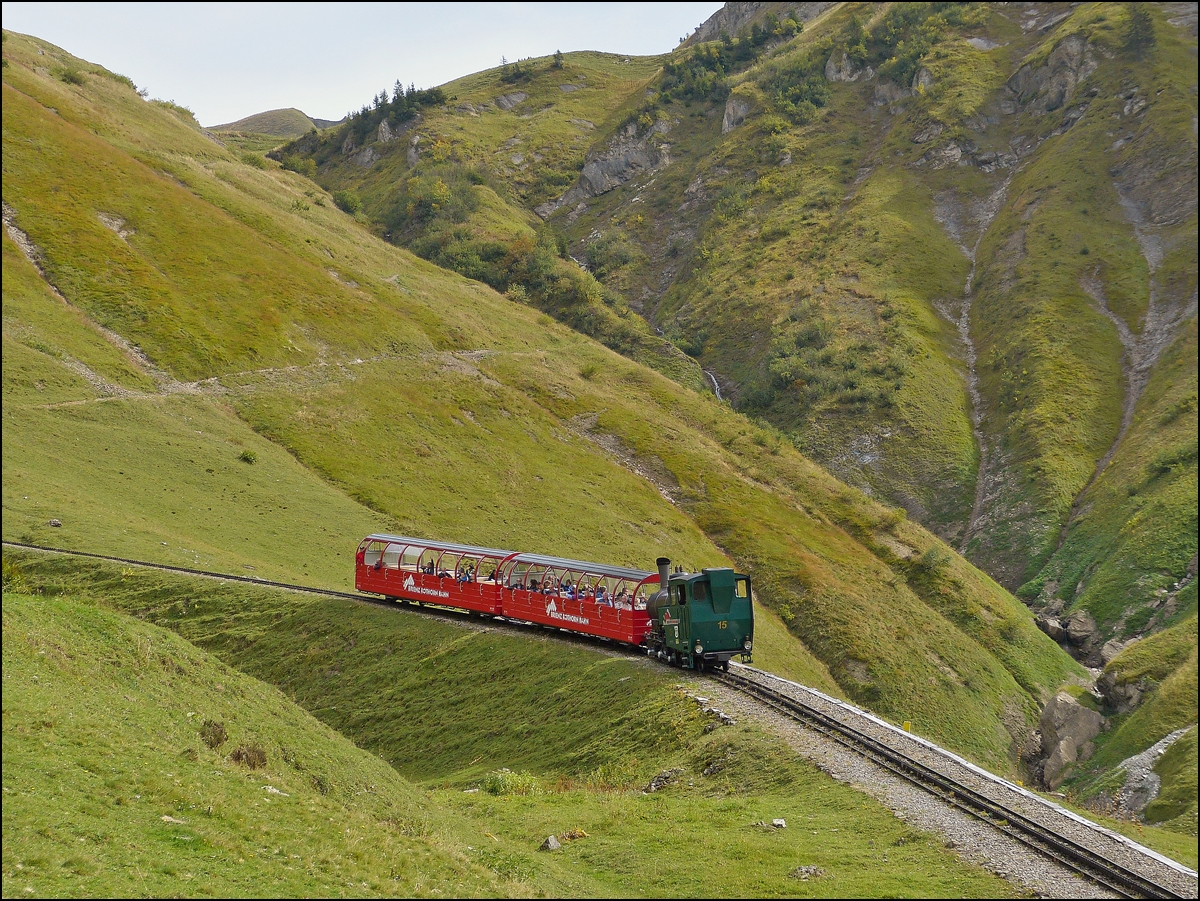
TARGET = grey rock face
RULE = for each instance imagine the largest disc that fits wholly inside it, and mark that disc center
(385, 133)
(366, 157)
(839, 67)
(928, 133)
(1122, 697)
(626, 156)
(550, 844)
(508, 101)
(887, 93)
(1066, 727)
(736, 110)
(1051, 86)
(1050, 626)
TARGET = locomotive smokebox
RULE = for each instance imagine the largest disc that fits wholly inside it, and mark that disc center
(660, 597)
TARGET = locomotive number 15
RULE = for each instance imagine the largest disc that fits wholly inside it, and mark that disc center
(723, 624)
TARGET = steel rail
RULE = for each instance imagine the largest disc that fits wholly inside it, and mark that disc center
(428, 608)
(1041, 839)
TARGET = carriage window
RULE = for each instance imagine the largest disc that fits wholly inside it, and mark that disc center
(372, 554)
(700, 591)
(742, 588)
(391, 556)
(409, 558)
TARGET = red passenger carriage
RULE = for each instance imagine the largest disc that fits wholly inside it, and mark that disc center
(591, 598)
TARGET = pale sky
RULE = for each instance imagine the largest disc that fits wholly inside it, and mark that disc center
(226, 61)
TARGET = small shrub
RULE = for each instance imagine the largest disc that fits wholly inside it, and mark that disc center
(255, 160)
(251, 756)
(302, 165)
(589, 371)
(299, 206)
(1183, 405)
(248, 456)
(213, 733)
(71, 75)
(347, 201)
(14, 580)
(506, 782)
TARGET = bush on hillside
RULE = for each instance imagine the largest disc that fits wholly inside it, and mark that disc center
(250, 755)
(255, 160)
(213, 734)
(71, 75)
(299, 164)
(506, 782)
(347, 201)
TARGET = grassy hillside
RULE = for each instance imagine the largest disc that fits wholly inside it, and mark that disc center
(111, 788)
(280, 123)
(945, 250)
(389, 385)
(566, 769)
(1162, 666)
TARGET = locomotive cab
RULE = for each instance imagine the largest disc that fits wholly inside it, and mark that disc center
(703, 619)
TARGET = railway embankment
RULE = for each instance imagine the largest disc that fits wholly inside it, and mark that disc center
(452, 705)
(999, 852)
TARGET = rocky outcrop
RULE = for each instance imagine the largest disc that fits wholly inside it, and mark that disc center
(736, 110)
(385, 133)
(1142, 784)
(1067, 732)
(627, 155)
(1051, 626)
(1052, 84)
(922, 80)
(1079, 635)
(366, 157)
(732, 17)
(888, 93)
(508, 101)
(1122, 697)
(839, 67)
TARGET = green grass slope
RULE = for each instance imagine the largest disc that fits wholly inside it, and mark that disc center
(456, 183)
(280, 123)
(1163, 667)
(447, 706)
(111, 790)
(815, 257)
(377, 388)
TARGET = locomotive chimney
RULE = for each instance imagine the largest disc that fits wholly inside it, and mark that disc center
(660, 597)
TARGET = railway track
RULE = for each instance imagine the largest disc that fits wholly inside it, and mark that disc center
(977, 793)
(1090, 852)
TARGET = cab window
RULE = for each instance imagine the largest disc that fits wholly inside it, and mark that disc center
(700, 591)
(742, 588)
(677, 595)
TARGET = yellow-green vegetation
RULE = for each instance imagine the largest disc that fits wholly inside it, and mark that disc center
(388, 385)
(448, 706)
(279, 123)
(1163, 668)
(456, 183)
(815, 257)
(136, 764)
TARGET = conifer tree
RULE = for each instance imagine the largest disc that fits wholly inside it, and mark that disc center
(1139, 39)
